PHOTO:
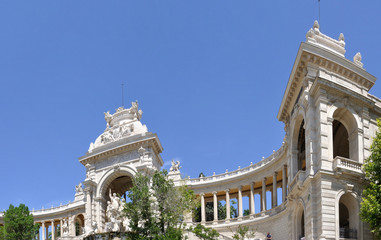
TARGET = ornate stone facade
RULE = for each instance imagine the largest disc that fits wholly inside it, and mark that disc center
(314, 180)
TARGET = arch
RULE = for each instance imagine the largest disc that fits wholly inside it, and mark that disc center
(79, 224)
(350, 119)
(298, 147)
(345, 134)
(347, 207)
(111, 175)
(299, 221)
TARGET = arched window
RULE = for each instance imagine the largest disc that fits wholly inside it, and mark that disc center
(79, 225)
(301, 148)
(348, 217)
(345, 135)
(340, 140)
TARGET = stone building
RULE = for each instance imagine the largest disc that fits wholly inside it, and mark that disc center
(314, 180)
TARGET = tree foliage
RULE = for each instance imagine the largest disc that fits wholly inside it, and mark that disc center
(243, 232)
(157, 207)
(19, 223)
(205, 233)
(370, 211)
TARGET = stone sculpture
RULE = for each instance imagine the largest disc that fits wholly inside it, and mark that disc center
(78, 188)
(115, 218)
(175, 166)
(65, 227)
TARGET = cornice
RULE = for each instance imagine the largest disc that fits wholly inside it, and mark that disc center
(312, 54)
(123, 145)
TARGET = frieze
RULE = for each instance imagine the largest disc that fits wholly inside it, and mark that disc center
(114, 160)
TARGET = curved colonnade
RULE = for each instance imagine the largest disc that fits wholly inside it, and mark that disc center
(260, 179)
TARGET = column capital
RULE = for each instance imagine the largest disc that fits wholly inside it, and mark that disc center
(214, 192)
(227, 190)
(202, 194)
(275, 173)
(252, 184)
(264, 179)
(240, 187)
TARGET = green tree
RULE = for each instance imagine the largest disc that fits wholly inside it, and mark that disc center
(205, 233)
(19, 223)
(243, 232)
(157, 207)
(370, 211)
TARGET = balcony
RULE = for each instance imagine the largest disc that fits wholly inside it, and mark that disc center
(348, 233)
(345, 165)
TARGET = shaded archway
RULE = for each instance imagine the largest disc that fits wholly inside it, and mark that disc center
(301, 147)
(340, 140)
(348, 219)
(345, 134)
(79, 223)
(298, 145)
(300, 230)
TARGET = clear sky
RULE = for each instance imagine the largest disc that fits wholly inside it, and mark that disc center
(209, 76)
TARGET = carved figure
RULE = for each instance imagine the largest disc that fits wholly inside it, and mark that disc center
(65, 227)
(175, 166)
(108, 118)
(107, 136)
(78, 188)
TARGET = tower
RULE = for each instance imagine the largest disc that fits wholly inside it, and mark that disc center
(123, 149)
(330, 119)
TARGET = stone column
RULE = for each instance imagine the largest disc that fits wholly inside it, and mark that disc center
(61, 231)
(202, 207)
(227, 204)
(53, 232)
(240, 212)
(263, 196)
(88, 207)
(330, 137)
(284, 183)
(252, 203)
(43, 230)
(275, 192)
(215, 206)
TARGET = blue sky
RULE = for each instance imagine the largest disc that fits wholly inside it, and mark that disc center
(209, 76)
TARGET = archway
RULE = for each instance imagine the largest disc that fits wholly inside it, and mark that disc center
(345, 134)
(300, 230)
(340, 140)
(348, 220)
(301, 147)
(118, 184)
(79, 223)
(298, 146)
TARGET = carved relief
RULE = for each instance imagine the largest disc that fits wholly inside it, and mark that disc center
(123, 123)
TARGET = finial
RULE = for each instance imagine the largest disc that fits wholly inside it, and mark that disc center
(316, 25)
(357, 59)
(341, 37)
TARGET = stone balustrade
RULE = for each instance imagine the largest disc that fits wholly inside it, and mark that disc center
(241, 171)
(340, 163)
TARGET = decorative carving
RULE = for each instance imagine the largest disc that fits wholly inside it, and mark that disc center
(121, 124)
(114, 214)
(357, 60)
(78, 188)
(175, 166)
(65, 227)
(314, 36)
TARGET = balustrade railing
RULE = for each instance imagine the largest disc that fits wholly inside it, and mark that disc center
(348, 164)
(239, 171)
(350, 233)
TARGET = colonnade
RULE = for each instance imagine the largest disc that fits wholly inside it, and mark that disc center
(259, 186)
(44, 226)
